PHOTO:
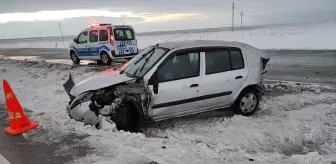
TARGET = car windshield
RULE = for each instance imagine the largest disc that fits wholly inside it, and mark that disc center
(145, 61)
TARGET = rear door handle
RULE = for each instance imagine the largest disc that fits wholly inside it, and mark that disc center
(194, 85)
(239, 77)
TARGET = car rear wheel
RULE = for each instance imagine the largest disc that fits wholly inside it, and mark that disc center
(247, 102)
(74, 57)
(105, 58)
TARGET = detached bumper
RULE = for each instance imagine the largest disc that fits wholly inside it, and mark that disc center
(83, 113)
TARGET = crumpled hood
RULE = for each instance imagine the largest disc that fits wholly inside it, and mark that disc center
(102, 80)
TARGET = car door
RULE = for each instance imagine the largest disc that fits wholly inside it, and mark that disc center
(178, 90)
(223, 75)
(81, 46)
(93, 45)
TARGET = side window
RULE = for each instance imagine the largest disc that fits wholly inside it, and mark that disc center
(223, 60)
(82, 38)
(103, 35)
(217, 61)
(93, 36)
(180, 66)
(237, 59)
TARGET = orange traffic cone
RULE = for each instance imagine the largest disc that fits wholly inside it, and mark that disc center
(18, 121)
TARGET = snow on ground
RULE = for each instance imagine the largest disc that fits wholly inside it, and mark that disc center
(297, 126)
(304, 36)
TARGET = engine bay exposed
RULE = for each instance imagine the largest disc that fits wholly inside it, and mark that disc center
(106, 101)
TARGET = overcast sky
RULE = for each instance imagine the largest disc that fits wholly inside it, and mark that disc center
(30, 18)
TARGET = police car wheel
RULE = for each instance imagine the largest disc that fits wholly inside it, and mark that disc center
(99, 62)
(105, 58)
(74, 58)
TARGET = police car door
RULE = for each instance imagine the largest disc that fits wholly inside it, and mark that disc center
(81, 46)
(124, 42)
(93, 44)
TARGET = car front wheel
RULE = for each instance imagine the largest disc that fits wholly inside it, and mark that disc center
(74, 58)
(126, 118)
(247, 102)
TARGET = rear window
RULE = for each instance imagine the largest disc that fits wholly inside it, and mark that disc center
(123, 34)
(222, 60)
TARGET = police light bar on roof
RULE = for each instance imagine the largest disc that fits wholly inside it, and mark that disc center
(99, 24)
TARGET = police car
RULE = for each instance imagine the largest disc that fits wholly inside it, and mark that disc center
(104, 43)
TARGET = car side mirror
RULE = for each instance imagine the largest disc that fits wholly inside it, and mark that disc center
(154, 80)
(75, 40)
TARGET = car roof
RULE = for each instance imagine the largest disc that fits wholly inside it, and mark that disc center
(199, 43)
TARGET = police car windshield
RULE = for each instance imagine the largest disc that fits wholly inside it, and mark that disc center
(146, 60)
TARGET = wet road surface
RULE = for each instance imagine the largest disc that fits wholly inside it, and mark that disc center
(40, 146)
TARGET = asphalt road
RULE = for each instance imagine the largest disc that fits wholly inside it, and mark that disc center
(40, 146)
(292, 65)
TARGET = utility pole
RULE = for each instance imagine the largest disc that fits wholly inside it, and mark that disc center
(40, 35)
(123, 17)
(233, 7)
(241, 19)
(60, 27)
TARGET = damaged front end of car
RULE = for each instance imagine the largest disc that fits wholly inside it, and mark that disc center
(107, 101)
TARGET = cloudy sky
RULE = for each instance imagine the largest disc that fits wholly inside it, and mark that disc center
(30, 18)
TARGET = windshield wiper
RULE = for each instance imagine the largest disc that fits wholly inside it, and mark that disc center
(138, 60)
(143, 64)
(152, 50)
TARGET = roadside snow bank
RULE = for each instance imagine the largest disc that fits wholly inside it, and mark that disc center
(292, 128)
(300, 36)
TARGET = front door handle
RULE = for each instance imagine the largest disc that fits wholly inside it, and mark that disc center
(239, 77)
(194, 85)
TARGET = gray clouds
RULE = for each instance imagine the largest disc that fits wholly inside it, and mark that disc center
(217, 12)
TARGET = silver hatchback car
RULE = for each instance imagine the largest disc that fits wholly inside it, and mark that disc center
(172, 79)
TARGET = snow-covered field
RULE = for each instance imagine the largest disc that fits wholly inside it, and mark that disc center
(304, 36)
(296, 124)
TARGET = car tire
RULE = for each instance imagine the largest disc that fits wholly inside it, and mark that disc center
(74, 57)
(126, 118)
(105, 58)
(99, 62)
(247, 102)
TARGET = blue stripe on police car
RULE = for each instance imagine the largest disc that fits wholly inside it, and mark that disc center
(90, 51)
